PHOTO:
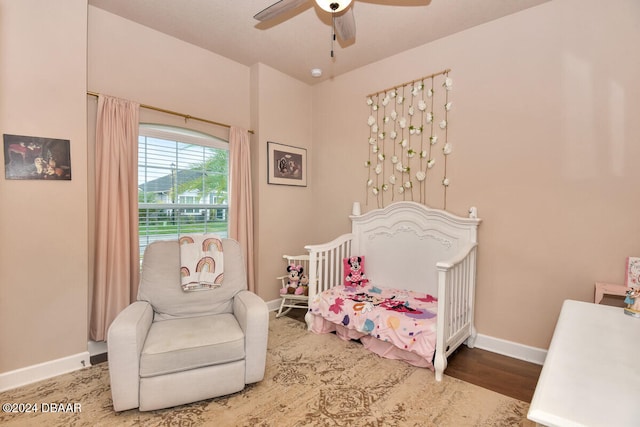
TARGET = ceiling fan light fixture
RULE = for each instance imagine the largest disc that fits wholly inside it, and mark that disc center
(333, 6)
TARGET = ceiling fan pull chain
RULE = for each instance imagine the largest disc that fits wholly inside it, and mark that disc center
(333, 31)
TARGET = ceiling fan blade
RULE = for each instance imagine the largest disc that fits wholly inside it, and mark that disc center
(278, 8)
(346, 25)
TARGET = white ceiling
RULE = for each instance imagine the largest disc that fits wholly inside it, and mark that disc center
(301, 40)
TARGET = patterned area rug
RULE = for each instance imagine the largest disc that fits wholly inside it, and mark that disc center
(311, 380)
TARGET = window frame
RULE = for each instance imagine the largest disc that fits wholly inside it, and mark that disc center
(185, 136)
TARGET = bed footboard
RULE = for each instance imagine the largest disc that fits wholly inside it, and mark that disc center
(456, 294)
(325, 266)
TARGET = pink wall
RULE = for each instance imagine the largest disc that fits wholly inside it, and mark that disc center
(544, 131)
(281, 113)
(165, 72)
(545, 145)
(43, 224)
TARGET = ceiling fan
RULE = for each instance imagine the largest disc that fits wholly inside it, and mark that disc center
(343, 20)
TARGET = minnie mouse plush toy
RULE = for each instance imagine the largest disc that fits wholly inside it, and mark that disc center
(355, 267)
(295, 271)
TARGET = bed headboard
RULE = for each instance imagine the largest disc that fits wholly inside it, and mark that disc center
(403, 242)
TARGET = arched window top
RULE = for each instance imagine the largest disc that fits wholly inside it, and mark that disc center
(185, 135)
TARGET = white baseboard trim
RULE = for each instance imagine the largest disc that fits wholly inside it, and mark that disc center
(511, 349)
(97, 347)
(42, 371)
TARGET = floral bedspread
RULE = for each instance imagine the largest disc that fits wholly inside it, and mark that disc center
(406, 319)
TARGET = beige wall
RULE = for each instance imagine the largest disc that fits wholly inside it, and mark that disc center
(282, 113)
(43, 224)
(134, 62)
(162, 71)
(544, 131)
(545, 134)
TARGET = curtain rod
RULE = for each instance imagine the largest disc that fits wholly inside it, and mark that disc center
(410, 83)
(185, 116)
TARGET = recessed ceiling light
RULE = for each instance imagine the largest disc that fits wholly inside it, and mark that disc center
(316, 72)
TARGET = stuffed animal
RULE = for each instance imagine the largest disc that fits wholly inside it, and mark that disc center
(294, 272)
(354, 271)
(303, 286)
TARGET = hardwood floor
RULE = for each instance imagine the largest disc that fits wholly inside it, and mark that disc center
(512, 377)
(505, 375)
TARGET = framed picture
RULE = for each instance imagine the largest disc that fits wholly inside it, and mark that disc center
(32, 157)
(632, 276)
(287, 165)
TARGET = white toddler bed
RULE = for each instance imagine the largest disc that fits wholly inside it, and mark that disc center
(426, 258)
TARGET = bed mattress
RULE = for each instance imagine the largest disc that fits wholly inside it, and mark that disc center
(393, 323)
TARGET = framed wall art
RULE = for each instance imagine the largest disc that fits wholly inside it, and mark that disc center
(32, 157)
(632, 276)
(287, 165)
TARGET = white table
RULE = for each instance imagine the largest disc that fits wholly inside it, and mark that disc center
(591, 375)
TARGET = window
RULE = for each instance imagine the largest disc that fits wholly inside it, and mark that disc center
(182, 183)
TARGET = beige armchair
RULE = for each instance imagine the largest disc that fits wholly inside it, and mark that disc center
(172, 347)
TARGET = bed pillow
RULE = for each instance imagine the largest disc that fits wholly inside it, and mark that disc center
(354, 271)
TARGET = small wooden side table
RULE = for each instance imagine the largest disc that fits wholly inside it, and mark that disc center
(603, 289)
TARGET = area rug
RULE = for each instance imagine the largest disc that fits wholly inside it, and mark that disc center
(310, 380)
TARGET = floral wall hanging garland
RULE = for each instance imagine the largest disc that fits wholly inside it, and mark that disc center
(409, 140)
